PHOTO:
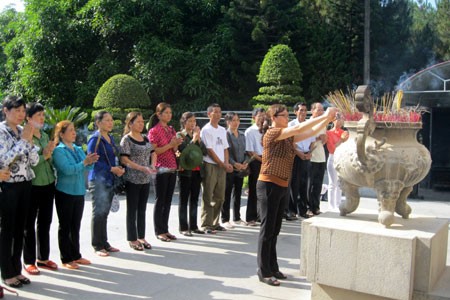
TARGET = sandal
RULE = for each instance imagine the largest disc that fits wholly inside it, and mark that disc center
(171, 236)
(16, 284)
(279, 275)
(268, 280)
(136, 246)
(32, 269)
(71, 265)
(23, 279)
(102, 253)
(49, 265)
(163, 238)
(145, 244)
(4, 288)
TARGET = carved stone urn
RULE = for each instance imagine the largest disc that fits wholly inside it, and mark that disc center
(385, 156)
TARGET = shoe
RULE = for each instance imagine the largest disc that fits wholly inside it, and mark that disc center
(32, 269)
(291, 217)
(310, 213)
(317, 212)
(186, 233)
(163, 237)
(112, 249)
(82, 261)
(171, 236)
(268, 280)
(145, 244)
(279, 275)
(240, 222)
(228, 225)
(198, 231)
(136, 246)
(252, 223)
(102, 253)
(49, 265)
(71, 265)
(16, 284)
(220, 228)
(305, 216)
(210, 231)
(23, 279)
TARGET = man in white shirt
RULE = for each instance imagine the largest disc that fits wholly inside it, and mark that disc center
(254, 148)
(216, 166)
(318, 163)
(300, 170)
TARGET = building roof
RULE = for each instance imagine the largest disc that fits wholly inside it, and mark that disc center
(429, 87)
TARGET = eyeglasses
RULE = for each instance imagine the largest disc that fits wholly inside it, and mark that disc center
(286, 115)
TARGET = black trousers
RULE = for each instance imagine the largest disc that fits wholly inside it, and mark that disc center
(252, 202)
(37, 228)
(14, 206)
(165, 186)
(233, 187)
(189, 193)
(101, 204)
(299, 186)
(272, 199)
(70, 211)
(137, 196)
(315, 184)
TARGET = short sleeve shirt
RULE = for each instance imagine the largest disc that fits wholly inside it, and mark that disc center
(138, 152)
(253, 141)
(277, 158)
(161, 136)
(215, 139)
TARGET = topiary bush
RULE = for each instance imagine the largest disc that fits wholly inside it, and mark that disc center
(120, 95)
(281, 76)
(122, 91)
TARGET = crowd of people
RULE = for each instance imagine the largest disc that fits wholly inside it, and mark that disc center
(38, 172)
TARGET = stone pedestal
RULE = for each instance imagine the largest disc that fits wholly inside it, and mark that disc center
(355, 257)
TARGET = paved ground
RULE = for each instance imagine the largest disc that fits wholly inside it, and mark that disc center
(221, 266)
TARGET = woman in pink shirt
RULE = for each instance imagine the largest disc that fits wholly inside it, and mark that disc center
(164, 141)
(336, 136)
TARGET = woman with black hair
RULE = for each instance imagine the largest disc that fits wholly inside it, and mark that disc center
(164, 141)
(135, 153)
(19, 155)
(101, 181)
(272, 187)
(40, 214)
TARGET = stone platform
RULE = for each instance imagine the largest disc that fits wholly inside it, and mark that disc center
(355, 257)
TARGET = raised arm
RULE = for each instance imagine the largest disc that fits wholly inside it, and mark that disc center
(308, 128)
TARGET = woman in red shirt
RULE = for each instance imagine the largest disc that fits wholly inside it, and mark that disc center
(336, 136)
(164, 141)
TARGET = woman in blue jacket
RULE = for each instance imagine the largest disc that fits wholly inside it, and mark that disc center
(101, 181)
(70, 163)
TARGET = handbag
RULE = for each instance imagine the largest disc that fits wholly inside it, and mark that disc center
(240, 173)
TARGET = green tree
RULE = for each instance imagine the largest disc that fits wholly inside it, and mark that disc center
(120, 95)
(443, 28)
(280, 72)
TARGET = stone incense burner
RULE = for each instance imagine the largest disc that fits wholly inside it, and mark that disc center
(385, 156)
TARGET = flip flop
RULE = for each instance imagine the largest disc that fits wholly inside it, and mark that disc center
(49, 265)
(32, 270)
(102, 253)
(136, 247)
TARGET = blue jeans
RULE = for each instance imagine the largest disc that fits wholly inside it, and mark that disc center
(101, 204)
